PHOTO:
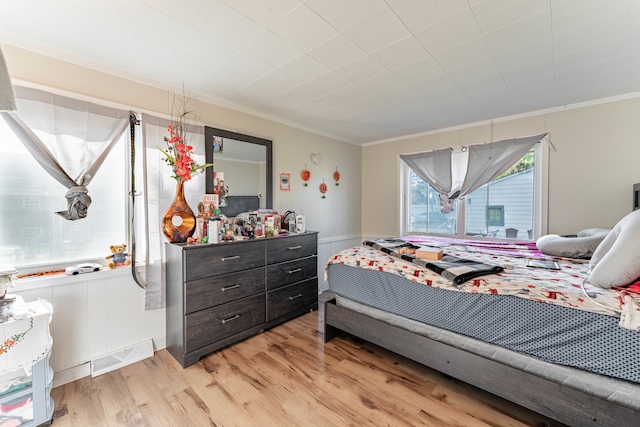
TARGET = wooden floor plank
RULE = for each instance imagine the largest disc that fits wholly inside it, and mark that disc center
(286, 376)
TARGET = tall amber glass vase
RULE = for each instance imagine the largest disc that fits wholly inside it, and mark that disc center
(179, 221)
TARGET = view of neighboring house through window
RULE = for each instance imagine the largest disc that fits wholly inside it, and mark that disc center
(31, 234)
(507, 202)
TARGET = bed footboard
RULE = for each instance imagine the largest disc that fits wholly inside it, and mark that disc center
(553, 400)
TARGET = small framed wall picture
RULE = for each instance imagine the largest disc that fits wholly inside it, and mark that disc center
(285, 181)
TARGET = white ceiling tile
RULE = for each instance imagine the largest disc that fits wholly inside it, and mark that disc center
(104, 9)
(220, 83)
(252, 54)
(418, 70)
(632, 24)
(371, 104)
(579, 90)
(305, 68)
(449, 32)
(540, 91)
(246, 66)
(400, 53)
(631, 61)
(629, 43)
(494, 14)
(483, 69)
(227, 24)
(528, 72)
(337, 52)
(400, 95)
(362, 69)
(579, 58)
(271, 49)
(437, 88)
(191, 69)
(343, 14)
(419, 14)
(593, 72)
(496, 102)
(588, 35)
(522, 33)
(303, 29)
(621, 78)
(265, 13)
(573, 14)
(266, 87)
(293, 97)
(377, 30)
(20, 27)
(142, 19)
(351, 94)
(312, 108)
(200, 45)
(536, 52)
(320, 86)
(455, 106)
(382, 83)
(463, 54)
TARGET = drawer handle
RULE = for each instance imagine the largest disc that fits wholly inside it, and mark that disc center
(237, 316)
(230, 258)
(293, 248)
(291, 298)
(295, 271)
(226, 288)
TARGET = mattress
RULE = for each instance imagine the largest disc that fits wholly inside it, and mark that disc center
(560, 335)
(613, 390)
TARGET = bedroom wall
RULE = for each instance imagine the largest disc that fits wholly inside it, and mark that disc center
(104, 312)
(590, 175)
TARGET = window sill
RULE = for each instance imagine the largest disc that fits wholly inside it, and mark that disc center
(36, 282)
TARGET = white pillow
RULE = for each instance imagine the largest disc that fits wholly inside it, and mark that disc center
(581, 246)
(616, 261)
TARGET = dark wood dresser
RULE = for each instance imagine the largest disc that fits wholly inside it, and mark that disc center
(221, 293)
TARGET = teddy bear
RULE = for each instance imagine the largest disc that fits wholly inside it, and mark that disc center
(118, 255)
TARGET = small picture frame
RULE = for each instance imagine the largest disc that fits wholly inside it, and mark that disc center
(285, 181)
(218, 145)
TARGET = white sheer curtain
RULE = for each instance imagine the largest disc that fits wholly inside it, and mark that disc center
(157, 190)
(69, 138)
(461, 174)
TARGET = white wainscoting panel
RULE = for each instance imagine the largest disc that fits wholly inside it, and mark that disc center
(327, 248)
(95, 314)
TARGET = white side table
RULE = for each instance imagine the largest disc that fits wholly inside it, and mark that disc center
(25, 373)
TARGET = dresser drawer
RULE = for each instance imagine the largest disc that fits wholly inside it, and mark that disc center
(217, 290)
(292, 247)
(224, 258)
(291, 298)
(208, 326)
(286, 273)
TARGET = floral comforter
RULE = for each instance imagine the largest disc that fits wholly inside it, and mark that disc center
(567, 287)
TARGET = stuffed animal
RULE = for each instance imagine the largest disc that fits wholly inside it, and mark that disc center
(118, 255)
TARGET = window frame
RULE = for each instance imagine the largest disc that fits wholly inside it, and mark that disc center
(540, 198)
(61, 265)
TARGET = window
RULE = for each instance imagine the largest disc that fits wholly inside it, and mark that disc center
(495, 215)
(514, 200)
(31, 234)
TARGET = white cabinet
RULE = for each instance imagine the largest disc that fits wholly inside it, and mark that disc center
(25, 374)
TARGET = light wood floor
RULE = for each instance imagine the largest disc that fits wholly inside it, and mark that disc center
(285, 376)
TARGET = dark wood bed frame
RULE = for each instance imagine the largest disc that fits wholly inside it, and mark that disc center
(556, 401)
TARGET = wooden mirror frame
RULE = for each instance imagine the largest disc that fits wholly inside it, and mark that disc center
(210, 132)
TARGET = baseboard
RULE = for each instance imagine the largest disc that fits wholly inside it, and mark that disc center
(71, 374)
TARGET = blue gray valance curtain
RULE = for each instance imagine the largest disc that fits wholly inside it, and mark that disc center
(459, 174)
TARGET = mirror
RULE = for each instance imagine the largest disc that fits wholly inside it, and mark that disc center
(242, 172)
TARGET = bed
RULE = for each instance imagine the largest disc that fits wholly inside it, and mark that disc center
(542, 338)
